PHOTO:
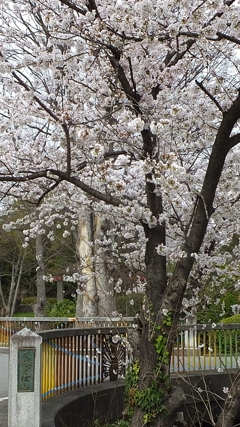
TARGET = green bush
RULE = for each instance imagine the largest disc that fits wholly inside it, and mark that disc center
(232, 319)
(213, 311)
(229, 339)
(65, 308)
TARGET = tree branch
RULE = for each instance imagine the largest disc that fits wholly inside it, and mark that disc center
(45, 108)
(2, 296)
(204, 206)
(107, 198)
(227, 37)
(51, 188)
(131, 94)
(68, 146)
(132, 77)
(205, 90)
(28, 177)
(73, 6)
(91, 5)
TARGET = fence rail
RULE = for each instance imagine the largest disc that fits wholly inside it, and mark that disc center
(10, 325)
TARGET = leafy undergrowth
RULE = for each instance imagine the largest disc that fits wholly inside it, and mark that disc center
(119, 423)
(29, 314)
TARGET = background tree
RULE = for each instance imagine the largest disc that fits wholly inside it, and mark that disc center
(132, 108)
(96, 297)
(27, 262)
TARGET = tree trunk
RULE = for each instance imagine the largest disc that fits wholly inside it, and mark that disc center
(164, 297)
(4, 310)
(94, 296)
(102, 265)
(19, 275)
(12, 289)
(17, 268)
(39, 307)
(88, 303)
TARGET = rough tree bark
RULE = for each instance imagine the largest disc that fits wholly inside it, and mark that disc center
(94, 296)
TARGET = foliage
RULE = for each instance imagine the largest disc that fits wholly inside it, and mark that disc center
(59, 254)
(29, 300)
(228, 340)
(217, 307)
(118, 423)
(65, 308)
(150, 398)
(232, 319)
(28, 314)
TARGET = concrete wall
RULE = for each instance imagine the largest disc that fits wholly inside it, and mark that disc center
(204, 394)
(103, 402)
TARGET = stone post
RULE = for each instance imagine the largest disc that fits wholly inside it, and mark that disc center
(24, 398)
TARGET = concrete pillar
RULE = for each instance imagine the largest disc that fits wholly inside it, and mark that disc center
(24, 398)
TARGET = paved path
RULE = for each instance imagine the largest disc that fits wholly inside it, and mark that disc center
(3, 387)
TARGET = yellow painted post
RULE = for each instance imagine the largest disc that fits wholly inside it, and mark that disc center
(48, 370)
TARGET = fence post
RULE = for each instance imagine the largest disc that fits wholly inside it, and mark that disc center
(190, 334)
(24, 400)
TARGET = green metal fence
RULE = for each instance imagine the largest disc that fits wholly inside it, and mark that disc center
(206, 347)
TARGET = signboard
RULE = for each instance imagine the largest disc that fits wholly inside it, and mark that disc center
(26, 363)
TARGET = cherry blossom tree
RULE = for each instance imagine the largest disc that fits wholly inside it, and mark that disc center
(130, 110)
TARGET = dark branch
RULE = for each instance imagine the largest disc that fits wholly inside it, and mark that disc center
(74, 6)
(205, 90)
(219, 14)
(132, 78)
(68, 144)
(131, 95)
(28, 177)
(107, 198)
(173, 57)
(115, 153)
(51, 188)
(45, 108)
(91, 5)
(226, 37)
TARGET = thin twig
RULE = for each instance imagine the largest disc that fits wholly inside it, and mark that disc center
(51, 188)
